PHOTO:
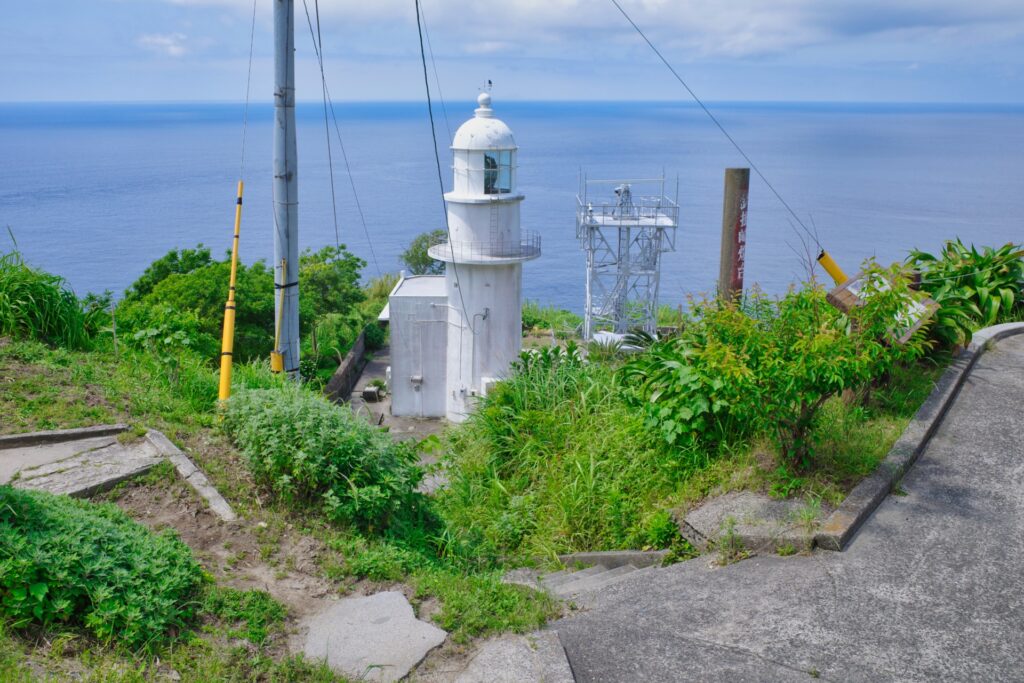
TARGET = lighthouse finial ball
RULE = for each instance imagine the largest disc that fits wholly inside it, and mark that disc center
(484, 100)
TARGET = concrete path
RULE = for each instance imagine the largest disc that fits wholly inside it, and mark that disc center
(931, 588)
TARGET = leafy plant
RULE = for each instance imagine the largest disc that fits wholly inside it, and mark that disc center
(973, 288)
(769, 365)
(70, 562)
(252, 613)
(309, 451)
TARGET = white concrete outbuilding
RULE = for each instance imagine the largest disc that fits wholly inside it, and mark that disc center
(482, 284)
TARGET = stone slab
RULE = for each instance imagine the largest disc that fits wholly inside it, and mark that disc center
(760, 523)
(83, 462)
(58, 435)
(533, 658)
(374, 638)
(88, 470)
(194, 476)
(16, 458)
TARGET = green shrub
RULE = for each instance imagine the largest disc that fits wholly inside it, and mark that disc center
(416, 258)
(186, 291)
(37, 305)
(176, 261)
(376, 335)
(973, 289)
(769, 365)
(65, 561)
(309, 451)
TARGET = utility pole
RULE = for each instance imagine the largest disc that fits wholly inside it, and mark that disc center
(734, 233)
(286, 188)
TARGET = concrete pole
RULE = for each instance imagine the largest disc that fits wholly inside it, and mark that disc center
(286, 187)
(734, 233)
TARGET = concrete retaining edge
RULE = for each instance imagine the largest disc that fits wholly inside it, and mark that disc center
(343, 382)
(58, 435)
(194, 476)
(611, 559)
(844, 522)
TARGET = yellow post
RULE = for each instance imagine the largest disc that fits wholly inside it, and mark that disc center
(227, 344)
(832, 268)
(276, 357)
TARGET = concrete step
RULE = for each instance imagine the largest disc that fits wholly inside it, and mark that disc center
(593, 582)
(536, 657)
(552, 581)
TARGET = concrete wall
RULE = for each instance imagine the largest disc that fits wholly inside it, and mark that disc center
(419, 337)
(481, 348)
(344, 379)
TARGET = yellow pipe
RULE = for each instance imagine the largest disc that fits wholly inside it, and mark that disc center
(227, 343)
(276, 357)
(832, 268)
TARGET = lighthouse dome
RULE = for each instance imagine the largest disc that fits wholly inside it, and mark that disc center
(483, 131)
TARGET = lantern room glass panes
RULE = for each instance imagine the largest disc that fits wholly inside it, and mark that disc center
(498, 172)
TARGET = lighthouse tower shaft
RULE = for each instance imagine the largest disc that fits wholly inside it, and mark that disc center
(483, 253)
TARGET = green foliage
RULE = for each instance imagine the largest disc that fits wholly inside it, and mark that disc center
(481, 604)
(565, 324)
(329, 281)
(769, 366)
(376, 335)
(252, 613)
(553, 461)
(974, 289)
(65, 561)
(416, 258)
(176, 261)
(186, 291)
(37, 305)
(309, 451)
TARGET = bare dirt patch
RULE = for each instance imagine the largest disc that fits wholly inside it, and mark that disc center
(238, 553)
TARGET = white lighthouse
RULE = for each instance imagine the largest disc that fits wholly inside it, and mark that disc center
(482, 282)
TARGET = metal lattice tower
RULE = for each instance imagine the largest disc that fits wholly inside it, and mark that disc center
(624, 236)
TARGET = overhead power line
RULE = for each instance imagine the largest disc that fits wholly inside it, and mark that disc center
(718, 124)
(329, 105)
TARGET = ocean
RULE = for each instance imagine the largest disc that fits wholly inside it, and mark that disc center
(95, 192)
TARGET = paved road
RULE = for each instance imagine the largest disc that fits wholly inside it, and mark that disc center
(931, 588)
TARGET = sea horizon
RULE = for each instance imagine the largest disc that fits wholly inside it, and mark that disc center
(120, 183)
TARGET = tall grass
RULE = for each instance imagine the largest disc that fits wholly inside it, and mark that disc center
(555, 461)
(38, 305)
(565, 324)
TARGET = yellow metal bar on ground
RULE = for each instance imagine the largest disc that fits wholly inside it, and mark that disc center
(227, 344)
(832, 268)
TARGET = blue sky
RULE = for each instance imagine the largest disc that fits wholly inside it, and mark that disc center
(810, 50)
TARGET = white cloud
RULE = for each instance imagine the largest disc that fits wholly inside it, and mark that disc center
(697, 28)
(166, 44)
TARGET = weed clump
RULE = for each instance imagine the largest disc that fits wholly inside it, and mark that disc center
(310, 452)
(74, 563)
(553, 461)
(38, 305)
